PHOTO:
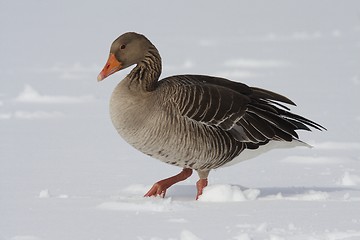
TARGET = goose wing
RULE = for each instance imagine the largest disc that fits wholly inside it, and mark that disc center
(251, 115)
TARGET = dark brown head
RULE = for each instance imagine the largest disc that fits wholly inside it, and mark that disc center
(128, 49)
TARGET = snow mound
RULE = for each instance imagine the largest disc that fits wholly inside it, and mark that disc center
(44, 194)
(30, 95)
(311, 160)
(349, 179)
(187, 235)
(337, 145)
(141, 204)
(25, 237)
(136, 189)
(31, 115)
(37, 115)
(255, 63)
(227, 193)
(5, 116)
(237, 74)
(243, 236)
(310, 195)
(337, 235)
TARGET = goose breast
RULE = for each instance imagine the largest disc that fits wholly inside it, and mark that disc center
(154, 124)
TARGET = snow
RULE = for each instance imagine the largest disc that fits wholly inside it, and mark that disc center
(310, 195)
(44, 193)
(349, 179)
(66, 174)
(255, 63)
(338, 145)
(30, 95)
(139, 205)
(235, 73)
(25, 238)
(227, 193)
(312, 160)
(37, 114)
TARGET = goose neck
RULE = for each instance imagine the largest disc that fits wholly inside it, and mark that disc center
(147, 72)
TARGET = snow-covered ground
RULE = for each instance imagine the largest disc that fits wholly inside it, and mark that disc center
(65, 174)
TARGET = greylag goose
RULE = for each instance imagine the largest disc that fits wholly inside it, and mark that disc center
(193, 121)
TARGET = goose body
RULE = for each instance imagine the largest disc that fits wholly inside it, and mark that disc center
(193, 121)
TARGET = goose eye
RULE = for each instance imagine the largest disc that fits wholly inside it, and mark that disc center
(123, 46)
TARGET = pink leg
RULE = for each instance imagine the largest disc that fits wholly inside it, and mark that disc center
(160, 187)
(200, 185)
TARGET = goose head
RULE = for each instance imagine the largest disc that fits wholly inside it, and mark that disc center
(128, 49)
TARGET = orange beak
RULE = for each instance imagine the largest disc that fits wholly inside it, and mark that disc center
(112, 65)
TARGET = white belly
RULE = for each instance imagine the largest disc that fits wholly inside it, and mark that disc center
(252, 153)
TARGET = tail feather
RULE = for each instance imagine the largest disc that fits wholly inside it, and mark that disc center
(302, 120)
(275, 120)
(269, 95)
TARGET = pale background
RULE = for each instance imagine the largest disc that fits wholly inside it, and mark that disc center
(61, 161)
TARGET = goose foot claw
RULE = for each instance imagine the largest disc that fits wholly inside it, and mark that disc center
(159, 188)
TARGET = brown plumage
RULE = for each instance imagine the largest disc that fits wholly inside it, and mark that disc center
(193, 121)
